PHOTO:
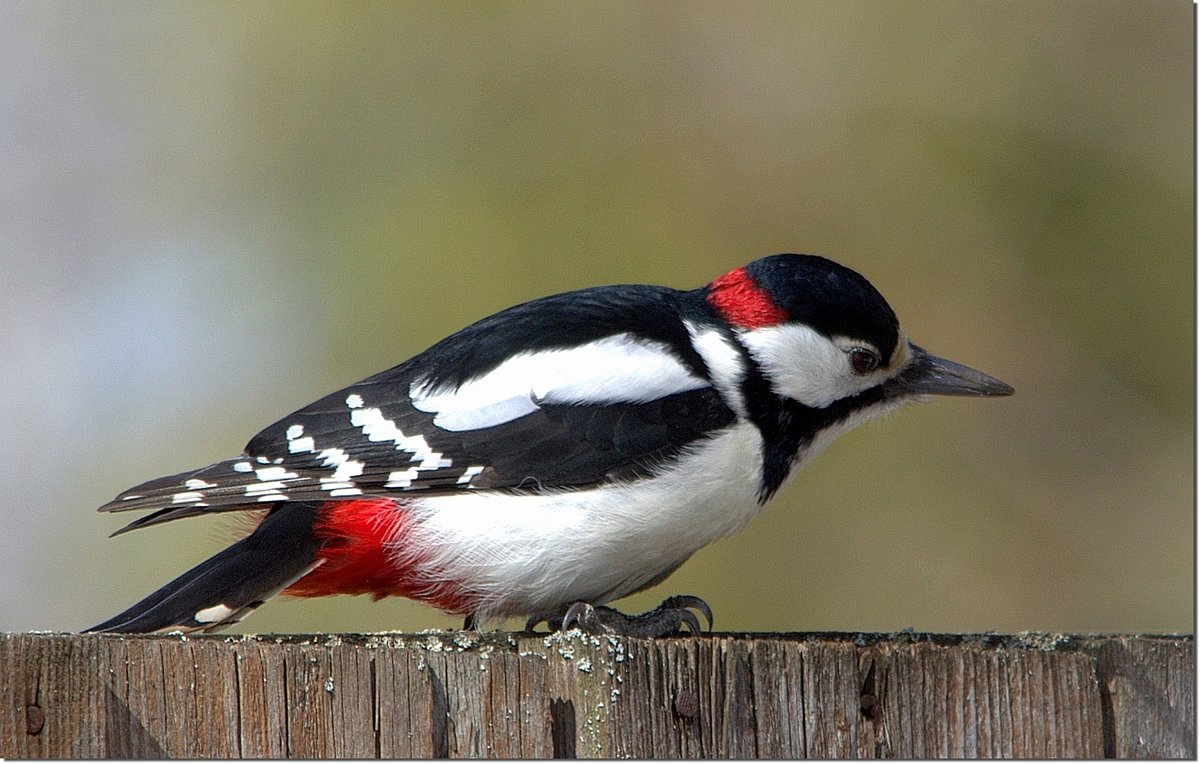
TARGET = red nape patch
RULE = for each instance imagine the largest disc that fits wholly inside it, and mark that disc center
(365, 553)
(742, 302)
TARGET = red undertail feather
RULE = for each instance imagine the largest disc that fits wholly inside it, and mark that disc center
(364, 552)
(742, 302)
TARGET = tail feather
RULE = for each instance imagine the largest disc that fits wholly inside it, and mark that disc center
(228, 586)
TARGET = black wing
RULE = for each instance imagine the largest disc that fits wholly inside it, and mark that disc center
(602, 389)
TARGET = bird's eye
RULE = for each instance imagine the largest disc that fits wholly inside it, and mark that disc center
(863, 361)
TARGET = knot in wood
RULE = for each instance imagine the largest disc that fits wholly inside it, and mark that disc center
(35, 719)
(686, 704)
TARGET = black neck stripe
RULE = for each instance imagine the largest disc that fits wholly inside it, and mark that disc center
(787, 425)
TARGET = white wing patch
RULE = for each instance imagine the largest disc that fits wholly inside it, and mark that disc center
(616, 369)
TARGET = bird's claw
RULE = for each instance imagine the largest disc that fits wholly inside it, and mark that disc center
(580, 612)
(669, 617)
(684, 604)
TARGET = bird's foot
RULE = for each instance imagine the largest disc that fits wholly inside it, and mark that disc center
(673, 615)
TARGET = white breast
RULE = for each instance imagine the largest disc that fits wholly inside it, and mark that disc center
(533, 553)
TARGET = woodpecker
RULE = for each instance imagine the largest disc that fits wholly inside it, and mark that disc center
(552, 457)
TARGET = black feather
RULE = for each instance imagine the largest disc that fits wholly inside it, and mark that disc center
(241, 577)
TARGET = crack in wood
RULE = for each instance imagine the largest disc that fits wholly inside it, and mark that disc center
(439, 716)
(563, 731)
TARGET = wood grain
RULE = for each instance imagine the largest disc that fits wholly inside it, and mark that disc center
(499, 695)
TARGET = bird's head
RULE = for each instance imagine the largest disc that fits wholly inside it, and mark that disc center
(821, 333)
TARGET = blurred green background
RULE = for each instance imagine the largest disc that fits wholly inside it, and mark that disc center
(214, 213)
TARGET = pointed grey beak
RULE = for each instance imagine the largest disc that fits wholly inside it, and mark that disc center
(926, 374)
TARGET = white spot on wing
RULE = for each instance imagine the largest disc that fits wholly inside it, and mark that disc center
(378, 428)
(469, 474)
(186, 497)
(334, 457)
(344, 470)
(298, 444)
(348, 469)
(401, 478)
(274, 473)
(334, 484)
(196, 484)
(615, 369)
(266, 487)
(301, 446)
(242, 467)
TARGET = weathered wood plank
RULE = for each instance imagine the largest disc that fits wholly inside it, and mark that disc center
(1148, 689)
(976, 701)
(499, 695)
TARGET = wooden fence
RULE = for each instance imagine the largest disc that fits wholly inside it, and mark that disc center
(505, 695)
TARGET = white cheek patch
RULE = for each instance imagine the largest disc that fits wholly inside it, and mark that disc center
(803, 364)
(616, 369)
